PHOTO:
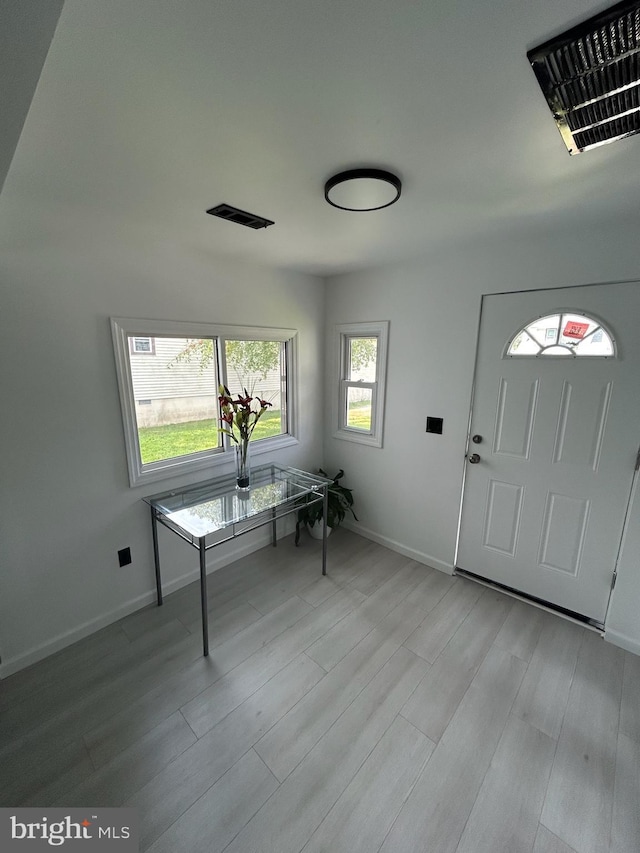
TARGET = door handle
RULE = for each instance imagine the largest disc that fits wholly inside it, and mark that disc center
(474, 458)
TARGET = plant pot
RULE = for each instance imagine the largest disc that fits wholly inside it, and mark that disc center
(315, 530)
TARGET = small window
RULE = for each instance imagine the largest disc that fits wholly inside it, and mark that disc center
(564, 334)
(142, 346)
(170, 403)
(362, 350)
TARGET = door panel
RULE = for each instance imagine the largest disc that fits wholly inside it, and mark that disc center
(543, 509)
(582, 421)
(517, 403)
(502, 520)
(563, 530)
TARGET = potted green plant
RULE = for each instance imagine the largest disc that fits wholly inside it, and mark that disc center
(339, 502)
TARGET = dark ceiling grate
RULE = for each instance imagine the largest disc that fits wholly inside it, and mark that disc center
(234, 214)
(590, 76)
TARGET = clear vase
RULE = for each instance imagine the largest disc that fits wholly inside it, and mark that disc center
(243, 466)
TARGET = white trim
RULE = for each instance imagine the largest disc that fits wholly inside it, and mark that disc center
(182, 329)
(50, 647)
(399, 548)
(143, 473)
(342, 332)
(630, 644)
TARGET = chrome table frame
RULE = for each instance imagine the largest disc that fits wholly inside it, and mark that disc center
(174, 510)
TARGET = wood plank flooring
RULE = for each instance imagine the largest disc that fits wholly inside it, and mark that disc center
(386, 707)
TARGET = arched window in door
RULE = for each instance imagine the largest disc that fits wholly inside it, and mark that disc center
(567, 333)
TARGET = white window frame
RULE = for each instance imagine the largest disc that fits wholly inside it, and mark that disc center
(344, 333)
(142, 473)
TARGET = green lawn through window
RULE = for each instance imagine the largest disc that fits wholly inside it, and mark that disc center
(359, 416)
(171, 440)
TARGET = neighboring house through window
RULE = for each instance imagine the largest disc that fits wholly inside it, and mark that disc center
(362, 357)
(170, 402)
(142, 346)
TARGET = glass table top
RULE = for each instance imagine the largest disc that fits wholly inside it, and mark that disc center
(217, 504)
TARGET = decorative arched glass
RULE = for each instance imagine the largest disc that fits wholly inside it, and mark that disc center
(562, 334)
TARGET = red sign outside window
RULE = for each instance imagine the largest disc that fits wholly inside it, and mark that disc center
(574, 329)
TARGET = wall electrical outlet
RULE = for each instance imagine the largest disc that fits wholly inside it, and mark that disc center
(124, 556)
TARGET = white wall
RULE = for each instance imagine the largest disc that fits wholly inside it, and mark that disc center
(623, 622)
(407, 494)
(66, 503)
(83, 237)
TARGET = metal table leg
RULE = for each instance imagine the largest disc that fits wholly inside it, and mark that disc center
(156, 555)
(203, 596)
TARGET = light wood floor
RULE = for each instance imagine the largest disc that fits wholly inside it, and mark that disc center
(385, 707)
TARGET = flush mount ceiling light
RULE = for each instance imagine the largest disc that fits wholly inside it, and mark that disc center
(590, 76)
(362, 189)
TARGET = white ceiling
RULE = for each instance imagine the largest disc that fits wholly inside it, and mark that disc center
(149, 112)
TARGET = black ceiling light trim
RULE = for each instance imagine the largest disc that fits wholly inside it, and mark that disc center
(590, 76)
(234, 214)
(363, 189)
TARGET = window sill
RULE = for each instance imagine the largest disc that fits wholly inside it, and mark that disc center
(347, 435)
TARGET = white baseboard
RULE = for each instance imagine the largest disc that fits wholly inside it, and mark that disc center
(418, 556)
(50, 647)
(629, 644)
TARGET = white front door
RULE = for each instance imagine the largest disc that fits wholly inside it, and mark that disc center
(544, 506)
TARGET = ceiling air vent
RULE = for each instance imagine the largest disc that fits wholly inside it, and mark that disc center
(233, 214)
(590, 76)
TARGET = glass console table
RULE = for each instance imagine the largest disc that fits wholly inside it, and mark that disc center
(212, 512)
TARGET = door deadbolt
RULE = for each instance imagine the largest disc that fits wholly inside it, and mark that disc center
(476, 439)
(474, 458)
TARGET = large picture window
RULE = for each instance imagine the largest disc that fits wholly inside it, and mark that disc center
(169, 391)
(362, 350)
